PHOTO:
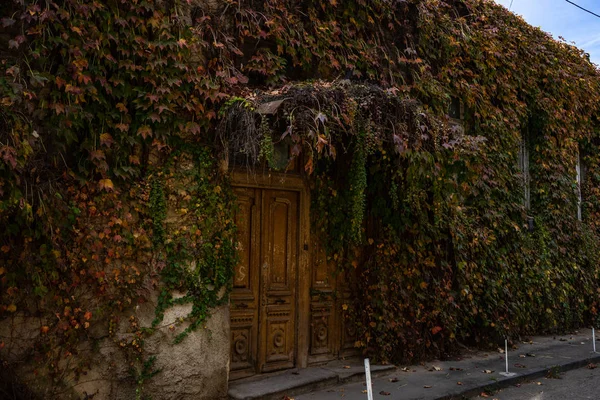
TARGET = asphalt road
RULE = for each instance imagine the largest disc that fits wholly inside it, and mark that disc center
(578, 384)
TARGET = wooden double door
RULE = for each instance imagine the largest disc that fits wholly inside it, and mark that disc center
(264, 296)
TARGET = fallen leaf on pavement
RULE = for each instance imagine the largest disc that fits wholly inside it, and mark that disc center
(522, 355)
(394, 379)
(455, 369)
(427, 387)
(434, 368)
(384, 393)
(530, 355)
(592, 366)
(483, 394)
(520, 365)
(459, 383)
(405, 369)
(347, 367)
(487, 371)
(364, 391)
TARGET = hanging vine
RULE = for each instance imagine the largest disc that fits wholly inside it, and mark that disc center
(99, 100)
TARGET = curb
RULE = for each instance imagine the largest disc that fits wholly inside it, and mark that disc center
(506, 382)
(328, 381)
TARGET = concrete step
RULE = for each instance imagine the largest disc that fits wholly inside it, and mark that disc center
(303, 380)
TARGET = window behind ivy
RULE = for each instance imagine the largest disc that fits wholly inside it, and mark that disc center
(524, 167)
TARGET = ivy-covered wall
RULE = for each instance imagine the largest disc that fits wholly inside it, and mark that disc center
(113, 187)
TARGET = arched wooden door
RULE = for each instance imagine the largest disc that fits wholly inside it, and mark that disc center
(264, 297)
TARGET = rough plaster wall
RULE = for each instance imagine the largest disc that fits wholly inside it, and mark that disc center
(197, 368)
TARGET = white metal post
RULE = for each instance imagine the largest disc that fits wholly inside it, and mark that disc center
(368, 376)
(506, 353)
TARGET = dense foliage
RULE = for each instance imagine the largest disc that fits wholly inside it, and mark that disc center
(107, 195)
(438, 241)
(99, 100)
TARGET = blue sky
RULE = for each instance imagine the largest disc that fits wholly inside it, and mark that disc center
(563, 19)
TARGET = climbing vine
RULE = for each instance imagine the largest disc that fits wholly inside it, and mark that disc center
(118, 119)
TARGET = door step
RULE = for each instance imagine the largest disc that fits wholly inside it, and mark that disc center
(298, 381)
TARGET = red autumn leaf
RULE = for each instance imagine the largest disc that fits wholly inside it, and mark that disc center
(122, 127)
(106, 139)
(308, 167)
(97, 155)
(436, 329)
(9, 155)
(85, 79)
(60, 82)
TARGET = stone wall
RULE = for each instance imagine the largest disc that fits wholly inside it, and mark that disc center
(197, 368)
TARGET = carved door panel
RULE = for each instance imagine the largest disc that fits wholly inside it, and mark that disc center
(278, 277)
(323, 329)
(263, 300)
(245, 300)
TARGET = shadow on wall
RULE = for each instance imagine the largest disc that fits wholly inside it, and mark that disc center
(11, 387)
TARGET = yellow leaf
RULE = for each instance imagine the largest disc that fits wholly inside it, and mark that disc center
(11, 308)
(106, 184)
(5, 249)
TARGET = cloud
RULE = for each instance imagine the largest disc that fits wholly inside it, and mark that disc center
(591, 42)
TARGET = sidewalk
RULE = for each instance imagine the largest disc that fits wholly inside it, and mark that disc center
(471, 375)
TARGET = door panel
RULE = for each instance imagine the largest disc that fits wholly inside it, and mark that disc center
(280, 252)
(245, 294)
(323, 333)
(263, 300)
